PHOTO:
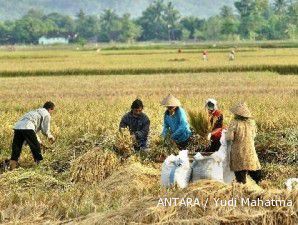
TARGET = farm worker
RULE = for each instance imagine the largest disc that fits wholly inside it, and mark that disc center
(216, 124)
(243, 156)
(26, 129)
(138, 124)
(175, 122)
(232, 55)
(205, 55)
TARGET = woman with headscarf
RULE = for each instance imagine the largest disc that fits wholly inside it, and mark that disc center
(216, 124)
(175, 122)
(241, 132)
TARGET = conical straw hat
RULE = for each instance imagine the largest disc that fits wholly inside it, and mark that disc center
(241, 109)
(170, 100)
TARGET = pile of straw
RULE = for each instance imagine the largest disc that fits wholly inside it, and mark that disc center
(147, 211)
(94, 166)
(134, 178)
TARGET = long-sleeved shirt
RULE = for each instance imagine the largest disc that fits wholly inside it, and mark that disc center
(216, 121)
(176, 124)
(37, 120)
(137, 125)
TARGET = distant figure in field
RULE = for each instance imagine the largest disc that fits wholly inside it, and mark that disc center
(205, 55)
(179, 50)
(26, 129)
(138, 124)
(232, 55)
(242, 132)
(216, 124)
(175, 122)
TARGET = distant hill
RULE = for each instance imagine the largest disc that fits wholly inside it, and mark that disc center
(12, 9)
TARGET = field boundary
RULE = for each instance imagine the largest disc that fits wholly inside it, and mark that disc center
(281, 69)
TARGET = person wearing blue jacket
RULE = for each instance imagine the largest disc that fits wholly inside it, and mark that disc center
(175, 122)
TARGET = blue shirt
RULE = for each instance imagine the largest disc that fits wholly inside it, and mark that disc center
(177, 125)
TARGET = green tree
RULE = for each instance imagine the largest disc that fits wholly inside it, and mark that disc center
(152, 22)
(6, 36)
(130, 31)
(87, 27)
(251, 17)
(29, 30)
(292, 20)
(192, 24)
(229, 26)
(65, 24)
(110, 26)
(212, 30)
(280, 6)
(171, 18)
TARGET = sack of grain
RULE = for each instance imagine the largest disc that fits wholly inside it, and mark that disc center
(215, 166)
(224, 150)
(206, 167)
(176, 169)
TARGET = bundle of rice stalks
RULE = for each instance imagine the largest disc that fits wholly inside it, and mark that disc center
(124, 144)
(199, 123)
(94, 166)
(206, 203)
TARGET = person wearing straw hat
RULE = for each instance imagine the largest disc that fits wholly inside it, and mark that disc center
(241, 132)
(175, 122)
(216, 124)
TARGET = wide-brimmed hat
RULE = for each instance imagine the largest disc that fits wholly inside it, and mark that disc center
(170, 100)
(241, 109)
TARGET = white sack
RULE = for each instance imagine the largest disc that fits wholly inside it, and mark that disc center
(176, 169)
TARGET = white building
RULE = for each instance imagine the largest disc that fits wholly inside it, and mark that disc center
(49, 41)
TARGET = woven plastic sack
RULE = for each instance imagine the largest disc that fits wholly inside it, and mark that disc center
(225, 150)
(206, 167)
(215, 166)
(176, 170)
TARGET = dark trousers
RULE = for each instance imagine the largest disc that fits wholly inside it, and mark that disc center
(214, 146)
(18, 140)
(241, 175)
(183, 145)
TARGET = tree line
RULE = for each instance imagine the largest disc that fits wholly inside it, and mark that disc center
(249, 20)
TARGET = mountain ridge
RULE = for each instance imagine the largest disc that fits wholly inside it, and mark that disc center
(14, 9)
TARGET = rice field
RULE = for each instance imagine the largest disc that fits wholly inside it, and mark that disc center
(82, 181)
(55, 62)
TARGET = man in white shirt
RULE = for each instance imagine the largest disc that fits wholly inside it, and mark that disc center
(26, 129)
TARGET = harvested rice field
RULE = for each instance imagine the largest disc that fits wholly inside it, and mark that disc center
(83, 180)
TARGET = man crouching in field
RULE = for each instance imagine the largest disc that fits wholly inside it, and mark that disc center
(138, 124)
(25, 132)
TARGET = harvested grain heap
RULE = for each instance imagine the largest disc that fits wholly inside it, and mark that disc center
(147, 211)
(94, 166)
